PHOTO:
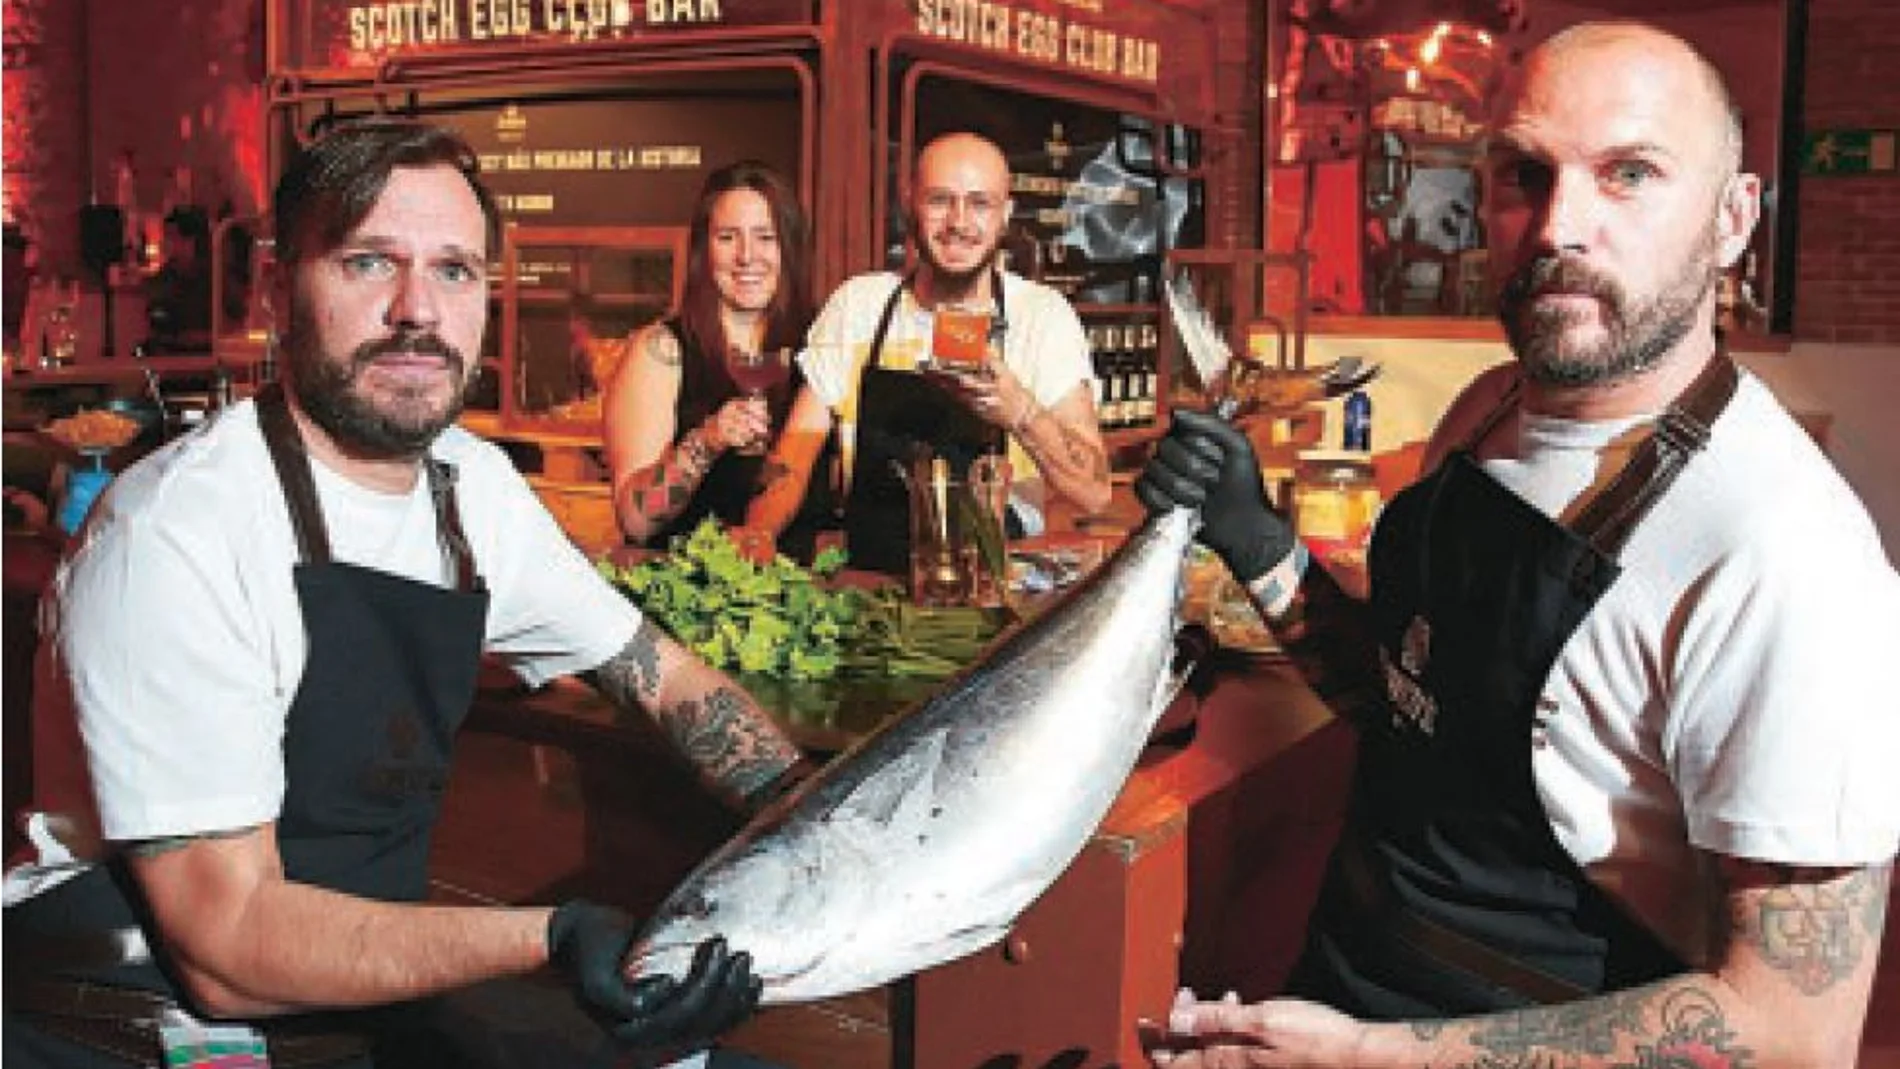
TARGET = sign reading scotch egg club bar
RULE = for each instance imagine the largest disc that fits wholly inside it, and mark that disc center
(1116, 39)
(363, 33)
(1060, 33)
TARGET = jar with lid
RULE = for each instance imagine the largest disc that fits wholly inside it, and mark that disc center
(1335, 500)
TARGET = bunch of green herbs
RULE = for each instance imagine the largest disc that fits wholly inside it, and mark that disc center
(784, 621)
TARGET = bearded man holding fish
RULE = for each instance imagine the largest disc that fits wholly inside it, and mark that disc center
(263, 643)
(1625, 792)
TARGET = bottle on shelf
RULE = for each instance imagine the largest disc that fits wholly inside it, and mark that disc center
(1101, 379)
(1149, 375)
(1114, 399)
(1124, 378)
(1356, 425)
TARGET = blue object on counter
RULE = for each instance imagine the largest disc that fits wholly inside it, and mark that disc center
(82, 487)
(1358, 421)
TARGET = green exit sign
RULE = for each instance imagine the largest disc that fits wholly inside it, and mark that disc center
(1849, 152)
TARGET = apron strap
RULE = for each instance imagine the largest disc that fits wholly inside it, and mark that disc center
(293, 471)
(1442, 944)
(448, 523)
(1681, 432)
(292, 462)
(876, 355)
(1505, 406)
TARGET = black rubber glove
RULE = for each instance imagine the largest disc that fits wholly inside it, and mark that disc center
(1205, 462)
(589, 943)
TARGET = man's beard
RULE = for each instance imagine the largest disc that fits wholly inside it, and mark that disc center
(328, 392)
(944, 281)
(1636, 334)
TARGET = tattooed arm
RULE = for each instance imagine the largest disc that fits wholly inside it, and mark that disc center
(655, 476)
(788, 468)
(1788, 988)
(739, 751)
(1066, 444)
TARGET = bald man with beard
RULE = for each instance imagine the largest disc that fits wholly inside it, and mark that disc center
(1032, 396)
(1625, 790)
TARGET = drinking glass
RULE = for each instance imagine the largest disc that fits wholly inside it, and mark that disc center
(960, 337)
(755, 373)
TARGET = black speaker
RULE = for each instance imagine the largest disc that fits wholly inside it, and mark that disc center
(101, 236)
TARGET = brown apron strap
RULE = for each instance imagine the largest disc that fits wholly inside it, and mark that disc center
(306, 514)
(1681, 432)
(293, 471)
(1442, 944)
(1505, 406)
(448, 523)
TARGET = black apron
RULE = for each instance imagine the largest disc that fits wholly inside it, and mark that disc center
(390, 674)
(901, 415)
(1448, 893)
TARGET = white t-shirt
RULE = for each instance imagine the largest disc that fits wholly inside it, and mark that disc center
(1728, 692)
(178, 629)
(1044, 347)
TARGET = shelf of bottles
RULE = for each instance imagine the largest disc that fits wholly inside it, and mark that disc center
(1130, 381)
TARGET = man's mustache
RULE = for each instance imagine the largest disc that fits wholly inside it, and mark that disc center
(416, 343)
(1559, 274)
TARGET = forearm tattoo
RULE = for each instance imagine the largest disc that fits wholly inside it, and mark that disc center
(662, 490)
(731, 742)
(1327, 635)
(1689, 1029)
(721, 731)
(1071, 452)
(631, 678)
(1815, 931)
(1815, 928)
(169, 843)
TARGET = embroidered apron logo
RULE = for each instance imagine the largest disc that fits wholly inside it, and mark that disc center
(1411, 703)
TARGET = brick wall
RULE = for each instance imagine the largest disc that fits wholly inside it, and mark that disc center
(1847, 285)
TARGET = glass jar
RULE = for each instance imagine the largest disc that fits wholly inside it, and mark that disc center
(1335, 501)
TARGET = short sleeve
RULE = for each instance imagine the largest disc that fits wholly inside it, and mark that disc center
(826, 360)
(1785, 735)
(1054, 354)
(551, 612)
(182, 725)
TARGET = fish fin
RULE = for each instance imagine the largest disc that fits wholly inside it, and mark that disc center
(899, 789)
(1171, 681)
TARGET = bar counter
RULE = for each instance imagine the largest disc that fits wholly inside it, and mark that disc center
(1200, 874)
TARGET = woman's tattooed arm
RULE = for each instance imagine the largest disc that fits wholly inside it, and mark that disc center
(647, 498)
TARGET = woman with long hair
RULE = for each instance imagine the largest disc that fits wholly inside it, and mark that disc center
(685, 430)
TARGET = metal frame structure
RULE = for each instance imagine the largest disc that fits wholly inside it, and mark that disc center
(844, 56)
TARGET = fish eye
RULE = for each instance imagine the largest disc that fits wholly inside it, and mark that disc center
(700, 906)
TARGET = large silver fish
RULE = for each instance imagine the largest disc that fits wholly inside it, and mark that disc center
(927, 840)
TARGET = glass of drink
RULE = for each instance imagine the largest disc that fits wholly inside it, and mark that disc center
(960, 338)
(755, 373)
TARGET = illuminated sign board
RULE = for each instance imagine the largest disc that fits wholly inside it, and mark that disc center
(1119, 40)
(363, 33)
